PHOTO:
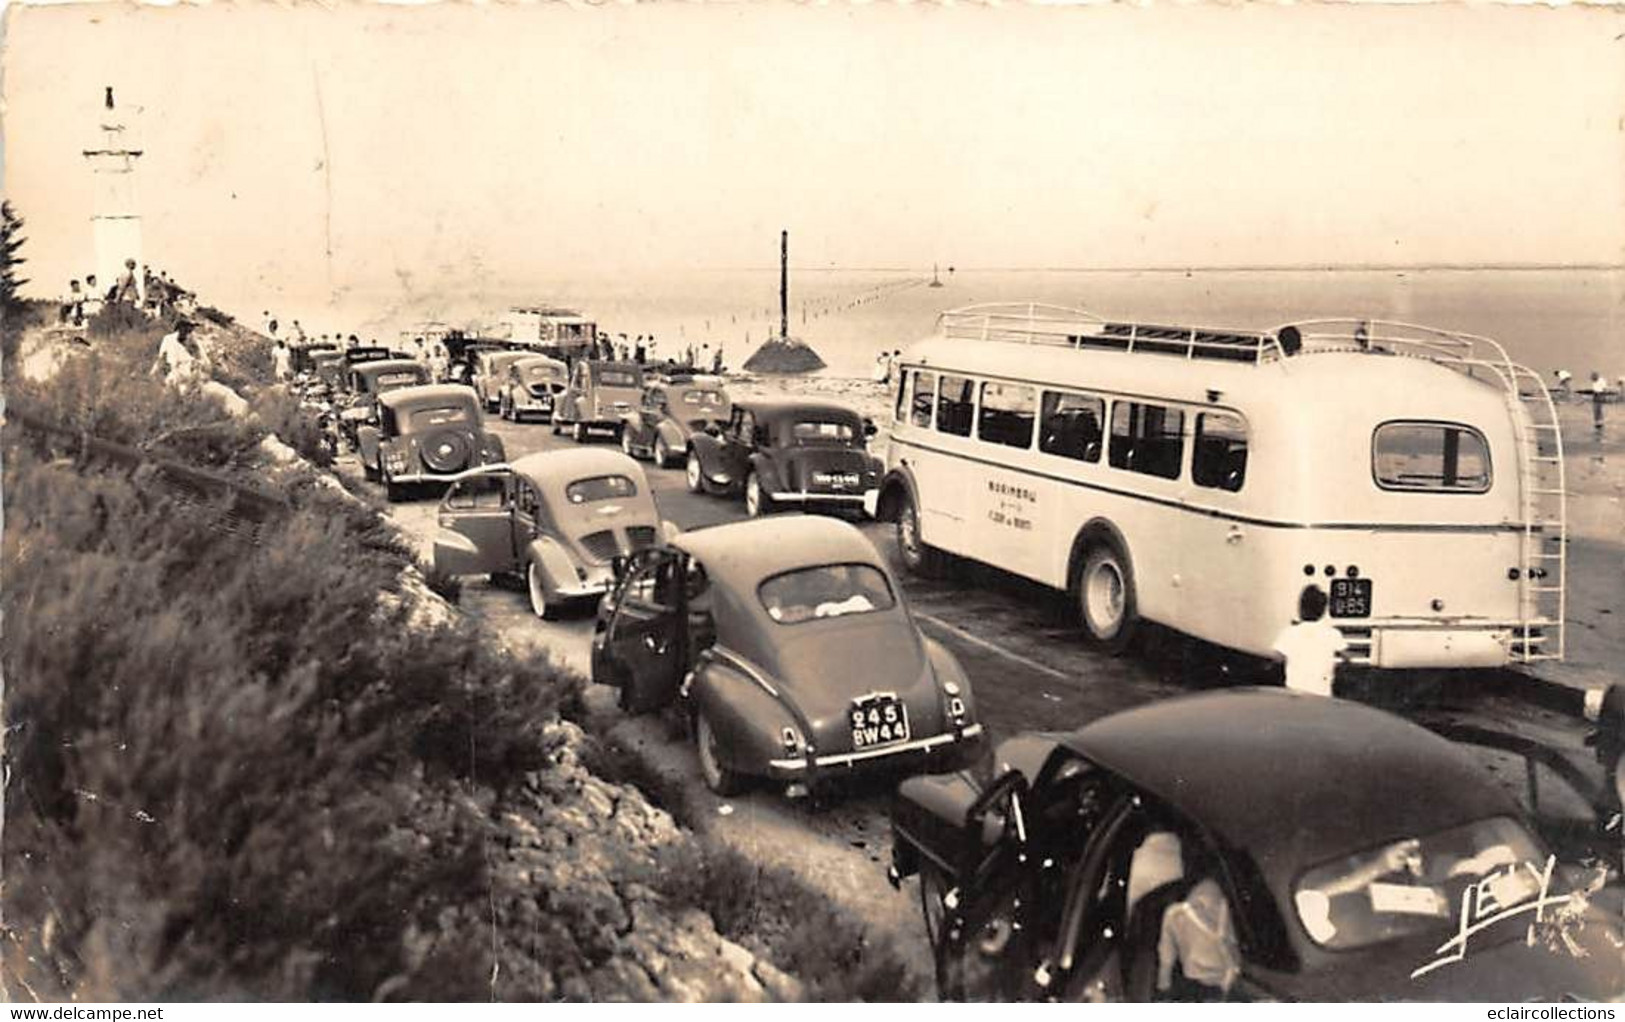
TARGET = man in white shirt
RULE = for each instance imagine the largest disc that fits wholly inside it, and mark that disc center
(178, 357)
(1310, 645)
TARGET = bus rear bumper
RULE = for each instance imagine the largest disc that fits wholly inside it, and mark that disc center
(1418, 644)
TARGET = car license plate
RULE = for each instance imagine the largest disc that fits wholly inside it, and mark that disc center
(882, 720)
(835, 480)
(1351, 597)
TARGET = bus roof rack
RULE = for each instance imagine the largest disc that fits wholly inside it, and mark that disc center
(1035, 323)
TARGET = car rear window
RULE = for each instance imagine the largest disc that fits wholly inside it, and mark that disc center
(1438, 457)
(1416, 885)
(543, 374)
(403, 378)
(426, 418)
(618, 378)
(585, 491)
(831, 590)
(704, 397)
(823, 431)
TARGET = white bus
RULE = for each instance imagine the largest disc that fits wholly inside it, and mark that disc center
(1202, 479)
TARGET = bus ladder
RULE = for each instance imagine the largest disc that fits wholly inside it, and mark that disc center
(1543, 547)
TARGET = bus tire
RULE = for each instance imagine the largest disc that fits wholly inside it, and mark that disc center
(918, 557)
(1104, 592)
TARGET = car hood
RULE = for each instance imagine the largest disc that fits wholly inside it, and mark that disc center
(823, 666)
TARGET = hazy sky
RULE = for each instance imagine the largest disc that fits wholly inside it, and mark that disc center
(363, 147)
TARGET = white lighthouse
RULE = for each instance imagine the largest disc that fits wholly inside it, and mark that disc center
(116, 220)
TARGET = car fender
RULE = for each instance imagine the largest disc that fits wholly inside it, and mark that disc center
(748, 716)
(673, 433)
(368, 442)
(1095, 532)
(558, 568)
(947, 669)
(704, 446)
(492, 449)
(766, 468)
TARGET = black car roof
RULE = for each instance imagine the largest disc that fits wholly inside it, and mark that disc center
(778, 408)
(379, 367)
(427, 395)
(1294, 780)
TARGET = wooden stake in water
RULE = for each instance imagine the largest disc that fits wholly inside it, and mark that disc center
(784, 285)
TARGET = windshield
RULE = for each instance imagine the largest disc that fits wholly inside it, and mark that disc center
(1416, 885)
(618, 378)
(833, 590)
(823, 431)
(426, 418)
(704, 398)
(401, 378)
(585, 491)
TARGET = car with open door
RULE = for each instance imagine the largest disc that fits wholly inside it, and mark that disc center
(674, 408)
(600, 397)
(1250, 844)
(531, 386)
(425, 434)
(366, 382)
(559, 520)
(788, 644)
(787, 453)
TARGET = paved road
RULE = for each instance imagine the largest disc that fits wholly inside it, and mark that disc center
(1028, 667)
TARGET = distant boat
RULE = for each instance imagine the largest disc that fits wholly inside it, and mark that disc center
(936, 280)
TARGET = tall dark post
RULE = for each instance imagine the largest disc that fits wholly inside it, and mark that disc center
(784, 284)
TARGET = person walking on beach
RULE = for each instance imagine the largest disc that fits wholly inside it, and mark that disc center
(1565, 384)
(1310, 646)
(1599, 393)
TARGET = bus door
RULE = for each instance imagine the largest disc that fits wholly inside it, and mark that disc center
(1223, 553)
(945, 477)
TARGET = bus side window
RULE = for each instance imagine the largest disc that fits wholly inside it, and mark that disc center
(1070, 425)
(925, 398)
(1219, 457)
(956, 405)
(1006, 415)
(1147, 438)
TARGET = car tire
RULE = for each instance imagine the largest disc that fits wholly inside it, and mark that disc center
(918, 557)
(1104, 592)
(934, 888)
(662, 453)
(757, 503)
(717, 777)
(557, 428)
(539, 604)
(579, 433)
(693, 474)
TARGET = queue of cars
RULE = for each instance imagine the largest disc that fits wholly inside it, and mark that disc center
(1084, 865)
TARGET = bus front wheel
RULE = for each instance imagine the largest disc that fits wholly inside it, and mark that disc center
(918, 556)
(1105, 595)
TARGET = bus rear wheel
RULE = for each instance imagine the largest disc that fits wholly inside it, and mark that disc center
(1105, 596)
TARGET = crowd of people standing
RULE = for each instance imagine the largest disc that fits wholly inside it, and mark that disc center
(138, 287)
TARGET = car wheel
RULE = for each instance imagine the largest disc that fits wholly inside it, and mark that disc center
(368, 472)
(918, 557)
(692, 474)
(717, 777)
(1105, 596)
(757, 503)
(579, 434)
(538, 592)
(393, 492)
(626, 442)
(556, 427)
(934, 889)
(662, 453)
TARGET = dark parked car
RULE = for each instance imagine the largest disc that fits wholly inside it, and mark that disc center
(1252, 844)
(531, 386)
(673, 410)
(600, 396)
(777, 453)
(426, 433)
(366, 353)
(559, 519)
(369, 380)
(788, 643)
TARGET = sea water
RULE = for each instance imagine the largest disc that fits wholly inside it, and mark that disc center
(1548, 319)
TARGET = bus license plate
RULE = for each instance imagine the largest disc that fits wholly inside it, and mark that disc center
(1351, 597)
(881, 721)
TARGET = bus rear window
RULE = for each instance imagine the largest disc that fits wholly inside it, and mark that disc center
(1431, 457)
(956, 405)
(1007, 414)
(1219, 457)
(1147, 438)
(1071, 425)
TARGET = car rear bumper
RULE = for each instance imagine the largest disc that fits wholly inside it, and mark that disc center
(864, 500)
(1398, 643)
(804, 769)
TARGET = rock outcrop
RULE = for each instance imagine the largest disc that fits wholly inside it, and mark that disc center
(784, 355)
